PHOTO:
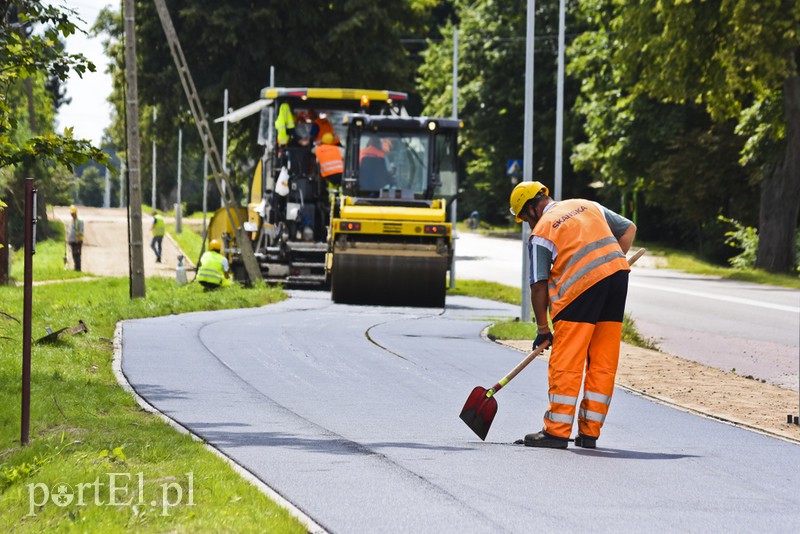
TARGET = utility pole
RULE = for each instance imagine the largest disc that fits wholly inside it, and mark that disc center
(123, 168)
(454, 206)
(179, 205)
(136, 254)
(527, 156)
(210, 147)
(560, 103)
(107, 191)
(224, 142)
(153, 200)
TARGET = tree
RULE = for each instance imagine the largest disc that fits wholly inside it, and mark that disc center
(346, 43)
(492, 95)
(28, 144)
(735, 59)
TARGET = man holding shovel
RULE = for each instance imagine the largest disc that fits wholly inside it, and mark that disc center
(578, 269)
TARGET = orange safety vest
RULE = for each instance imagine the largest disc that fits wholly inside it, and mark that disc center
(587, 250)
(330, 160)
(324, 126)
(371, 152)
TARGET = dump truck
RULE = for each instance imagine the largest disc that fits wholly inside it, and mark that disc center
(389, 240)
(289, 208)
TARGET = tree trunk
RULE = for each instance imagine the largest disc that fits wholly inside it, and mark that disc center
(780, 193)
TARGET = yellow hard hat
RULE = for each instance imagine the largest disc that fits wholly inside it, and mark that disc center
(522, 193)
(327, 138)
(214, 245)
(73, 209)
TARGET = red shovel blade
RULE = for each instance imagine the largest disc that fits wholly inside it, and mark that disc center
(479, 411)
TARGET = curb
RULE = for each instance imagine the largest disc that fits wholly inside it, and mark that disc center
(116, 365)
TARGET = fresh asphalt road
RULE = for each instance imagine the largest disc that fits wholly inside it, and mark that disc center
(752, 328)
(351, 413)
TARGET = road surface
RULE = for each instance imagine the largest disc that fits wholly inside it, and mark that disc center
(752, 328)
(351, 413)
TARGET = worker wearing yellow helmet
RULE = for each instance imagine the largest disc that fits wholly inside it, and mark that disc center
(329, 157)
(578, 270)
(213, 270)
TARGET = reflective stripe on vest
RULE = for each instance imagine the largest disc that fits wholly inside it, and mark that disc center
(559, 417)
(330, 160)
(563, 399)
(587, 250)
(211, 269)
(159, 228)
(597, 397)
(591, 416)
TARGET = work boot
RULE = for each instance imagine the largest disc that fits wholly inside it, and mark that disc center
(587, 442)
(543, 439)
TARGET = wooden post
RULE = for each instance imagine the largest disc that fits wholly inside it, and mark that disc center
(3, 248)
(136, 255)
(29, 224)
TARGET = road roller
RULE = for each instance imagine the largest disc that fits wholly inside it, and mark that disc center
(389, 240)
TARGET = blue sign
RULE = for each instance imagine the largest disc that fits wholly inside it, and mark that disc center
(514, 167)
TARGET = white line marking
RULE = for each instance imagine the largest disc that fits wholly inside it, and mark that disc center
(736, 300)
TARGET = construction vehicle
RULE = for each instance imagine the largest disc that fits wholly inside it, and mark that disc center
(389, 239)
(289, 206)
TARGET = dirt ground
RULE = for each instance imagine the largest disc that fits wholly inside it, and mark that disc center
(662, 377)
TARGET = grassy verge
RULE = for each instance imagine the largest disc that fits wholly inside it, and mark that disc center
(686, 262)
(48, 262)
(190, 241)
(515, 329)
(85, 429)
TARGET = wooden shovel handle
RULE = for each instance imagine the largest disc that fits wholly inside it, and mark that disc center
(533, 355)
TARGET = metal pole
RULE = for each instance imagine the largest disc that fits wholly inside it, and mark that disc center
(560, 102)
(270, 138)
(27, 307)
(224, 141)
(455, 73)
(153, 200)
(205, 190)
(107, 192)
(122, 171)
(179, 206)
(527, 161)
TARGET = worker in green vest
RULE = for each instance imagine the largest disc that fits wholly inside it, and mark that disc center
(159, 229)
(213, 269)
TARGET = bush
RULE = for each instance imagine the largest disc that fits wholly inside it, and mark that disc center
(744, 238)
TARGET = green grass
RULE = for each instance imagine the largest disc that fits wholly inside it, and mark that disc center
(84, 426)
(190, 241)
(688, 263)
(48, 262)
(515, 329)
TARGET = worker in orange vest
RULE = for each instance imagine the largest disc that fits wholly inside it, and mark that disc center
(329, 157)
(578, 269)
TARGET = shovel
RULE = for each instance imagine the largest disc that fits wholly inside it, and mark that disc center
(481, 406)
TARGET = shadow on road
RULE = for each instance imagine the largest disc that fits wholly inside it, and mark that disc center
(630, 455)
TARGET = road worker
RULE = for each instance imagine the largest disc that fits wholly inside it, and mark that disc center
(159, 229)
(578, 269)
(213, 270)
(331, 163)
(75, 237)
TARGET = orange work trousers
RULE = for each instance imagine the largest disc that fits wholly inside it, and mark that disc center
(586, 339)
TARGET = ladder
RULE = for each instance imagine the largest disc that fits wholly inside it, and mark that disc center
(210, 147)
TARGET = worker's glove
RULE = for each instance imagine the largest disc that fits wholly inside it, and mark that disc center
(542, 338)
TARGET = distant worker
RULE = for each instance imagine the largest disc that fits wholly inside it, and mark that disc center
(331, 163)
(213, 270)
(75, 237)
(320, 125)
(159, 229)
(474, 220)
(578, 269)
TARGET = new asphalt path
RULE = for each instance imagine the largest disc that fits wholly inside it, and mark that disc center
(351, 414)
